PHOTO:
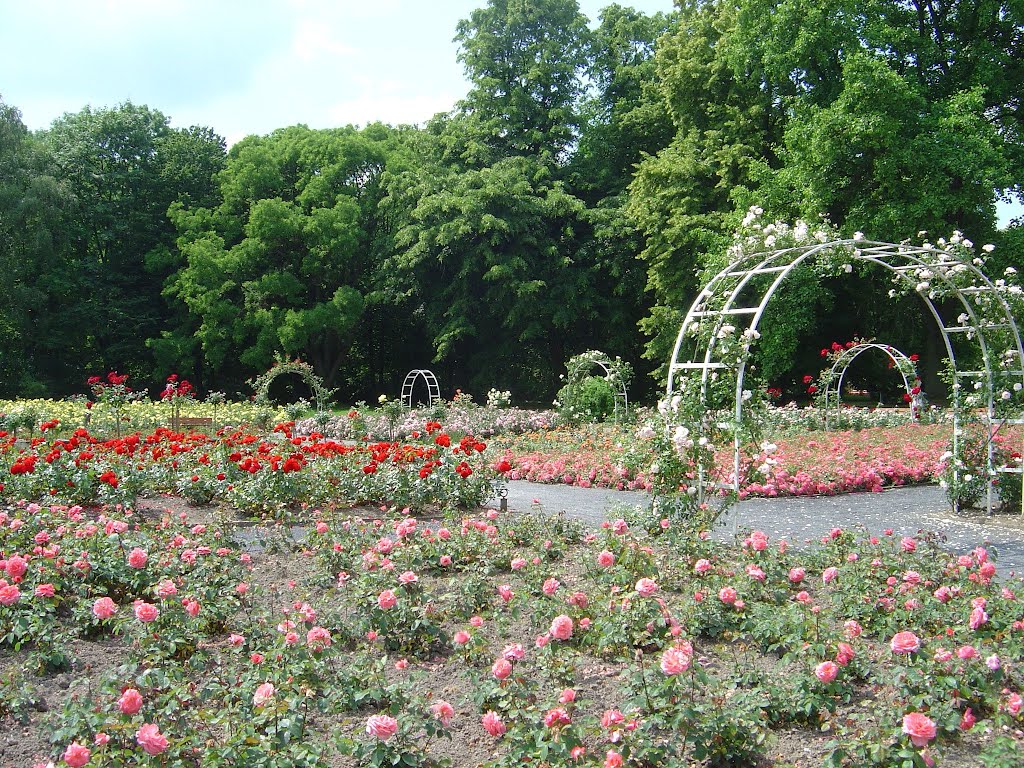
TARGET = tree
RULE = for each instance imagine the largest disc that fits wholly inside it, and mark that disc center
(124, 167)
(524, 59)
(41, 312)
(886, 116)
(285, 262)
(725, 119)
(484, 254)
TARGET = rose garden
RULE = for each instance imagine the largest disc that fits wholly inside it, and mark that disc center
(285, 586)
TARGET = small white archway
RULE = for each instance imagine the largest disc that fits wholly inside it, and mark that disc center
(433, 388)
(833, 394)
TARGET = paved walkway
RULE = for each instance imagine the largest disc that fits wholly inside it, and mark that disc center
(807, 518)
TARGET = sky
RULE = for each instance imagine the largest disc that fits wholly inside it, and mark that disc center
(241, 67)
(246, 66)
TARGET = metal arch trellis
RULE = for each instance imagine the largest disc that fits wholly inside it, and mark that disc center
(433, 388)
(616, 373)
(744, 288)
(281, 366)
(619, 393)
(844, 360)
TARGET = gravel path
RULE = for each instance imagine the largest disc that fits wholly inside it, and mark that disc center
(807, 518)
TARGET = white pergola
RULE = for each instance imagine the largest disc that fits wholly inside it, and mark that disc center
(739, 294)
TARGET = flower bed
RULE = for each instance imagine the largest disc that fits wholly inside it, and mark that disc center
(496, 641)
(273, 474)
(808, 464)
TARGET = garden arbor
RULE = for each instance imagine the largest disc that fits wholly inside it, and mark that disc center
(833, 378)
(433, 388)
(708, 369)
(282, 366)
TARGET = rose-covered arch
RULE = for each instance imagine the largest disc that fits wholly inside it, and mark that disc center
(282, 366)
(832, 377)
(710, 359)
(617, 373)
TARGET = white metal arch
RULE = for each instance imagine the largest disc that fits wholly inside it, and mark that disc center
(621, 397)
(845, 360)
(433, 388)
(744, 288)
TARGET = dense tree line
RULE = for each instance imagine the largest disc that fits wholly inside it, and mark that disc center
(569, 202)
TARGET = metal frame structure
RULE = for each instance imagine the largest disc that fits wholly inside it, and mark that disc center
(846, 358)
(744, 288)
(433, 388)
(620, 395)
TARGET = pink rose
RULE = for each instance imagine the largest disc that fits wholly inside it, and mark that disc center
(137, 558)
(852, 628)
(826, 671)
(702, 566)
(501, 668)
(612, 759)
(646, 587)
(318, 638)
(1014, 704)
(492, 724)
(550, 586)
(104, 608)
(146, 612)
(513, 652)
(408, 577)
(9, 594)
(561, 627)
(677, 659)
(518, 563)
(76, 755)
(387, 599)
(443, 711)
(829, 575)
(16, 567)
(908, 544)
(966, 652)
(606, 559)
(151, 740)
(978, 617)
(612, 718)
(905, 642)
(506, 593)
(45, 590)
(264, 694)
(130, 702)
(382, 727)
(968, 720)
(461, 637)
(727, 595)
(445, 561)
(556, 717)
(796, 575)
(920, 728)
(845, 655)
